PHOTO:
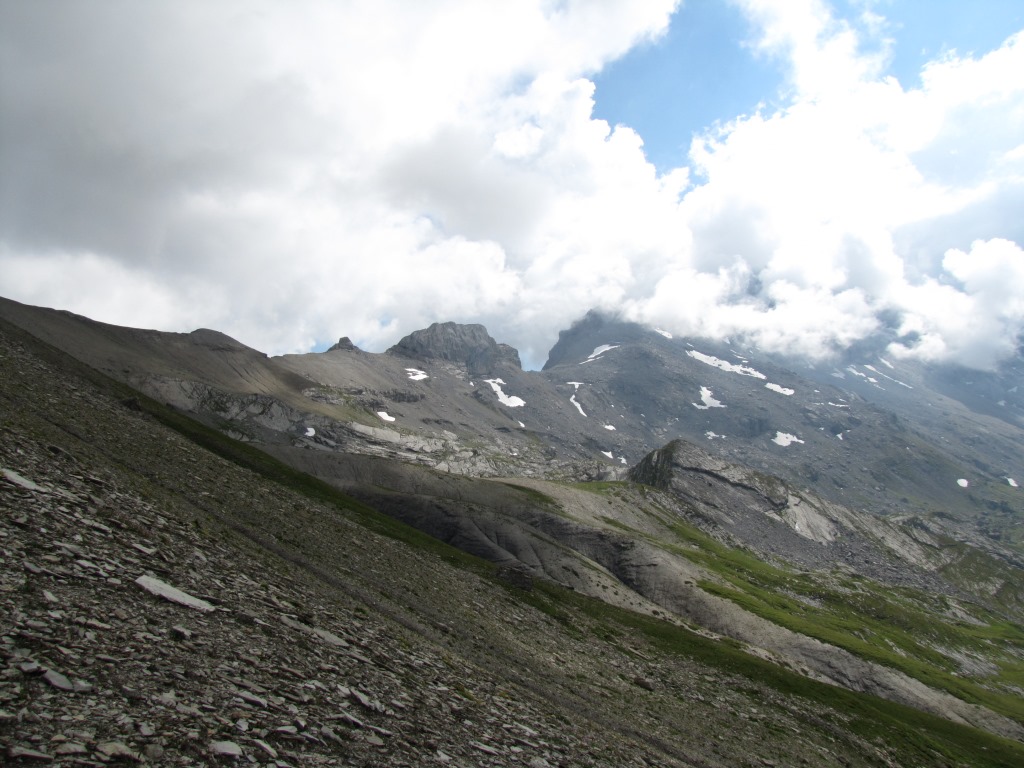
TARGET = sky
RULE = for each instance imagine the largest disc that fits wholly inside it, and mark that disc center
(801, 174)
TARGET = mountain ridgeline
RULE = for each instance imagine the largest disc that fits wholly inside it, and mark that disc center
(856, 523)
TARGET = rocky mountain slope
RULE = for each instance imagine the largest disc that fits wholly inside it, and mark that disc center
(917, 601)
(171, 598)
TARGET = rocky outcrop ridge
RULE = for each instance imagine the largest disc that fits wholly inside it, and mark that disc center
(469, 345)
(345, 344)
(764, 513)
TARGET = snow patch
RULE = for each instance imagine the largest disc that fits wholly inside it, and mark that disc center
(711, 435)
(310, 432)
(1012, 482)
(780, 389)
(962, 482)
(521, 425)
(742, 370)
(609, 426)
(608, 454)
(887, 364)
(886, 376)
(708, 400)
(666, 334)
(510, 400)
(784, 439)
(622, 460)
(384, 415)
(415, 374)
(576, 386)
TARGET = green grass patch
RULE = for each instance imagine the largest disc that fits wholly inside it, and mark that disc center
(899, 628)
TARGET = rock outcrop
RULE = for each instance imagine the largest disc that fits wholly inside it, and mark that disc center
(344, 344)
(468, 345)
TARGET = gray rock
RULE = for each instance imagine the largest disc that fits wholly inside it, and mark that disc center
(116, 750)
(57, 680)
(469, 345)
(13, 477)
(225, 749)
(70, 748)
(345, 344)
(162, 589)
(24, 753)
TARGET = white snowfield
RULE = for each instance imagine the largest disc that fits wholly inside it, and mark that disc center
(415, 374)
(610, 427)
(608, 454)
(784, 439)
(1012, 482)
(780, 389)
(384, 415)
(666, 334)
(742, 370)
(510, 400)
(708, 401)
(310, 432)
(963, 482)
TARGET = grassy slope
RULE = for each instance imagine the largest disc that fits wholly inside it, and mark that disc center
(899, 628)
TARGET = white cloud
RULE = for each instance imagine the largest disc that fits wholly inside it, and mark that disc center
(988, 294)
(815, 222)
(293, 172)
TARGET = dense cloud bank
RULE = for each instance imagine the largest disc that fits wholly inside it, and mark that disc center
(293, 172)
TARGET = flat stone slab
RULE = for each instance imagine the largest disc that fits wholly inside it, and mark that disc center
(175, 595)
(23, 482)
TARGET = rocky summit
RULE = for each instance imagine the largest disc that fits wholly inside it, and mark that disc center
(467, 345)
(657, 551)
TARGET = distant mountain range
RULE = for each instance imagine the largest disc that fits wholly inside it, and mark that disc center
(859, 521)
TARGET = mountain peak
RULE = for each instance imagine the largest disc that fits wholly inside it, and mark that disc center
(345, 344)
(590, 331)
(466, 344)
